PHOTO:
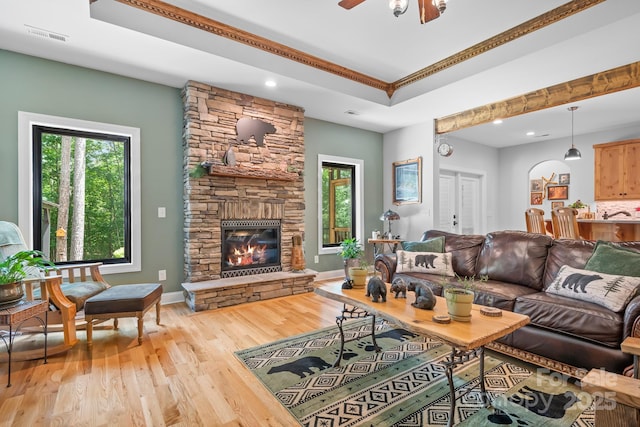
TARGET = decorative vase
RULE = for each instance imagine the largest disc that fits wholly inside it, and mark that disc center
(11, 292)
(459, 302)
(358, 277)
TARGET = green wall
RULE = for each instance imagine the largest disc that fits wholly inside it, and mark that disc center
(327, 138)
(41, 86)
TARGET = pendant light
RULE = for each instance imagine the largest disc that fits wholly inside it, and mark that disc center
(573, 153)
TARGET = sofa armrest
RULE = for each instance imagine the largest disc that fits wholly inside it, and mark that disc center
(632, 319)
(386, 265)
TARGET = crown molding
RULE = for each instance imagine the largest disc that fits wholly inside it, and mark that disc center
(218, 28)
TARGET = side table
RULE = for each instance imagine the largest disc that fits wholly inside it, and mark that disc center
(392, 243)
(14, 315)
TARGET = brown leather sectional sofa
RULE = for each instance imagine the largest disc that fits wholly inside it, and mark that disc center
(565, 334)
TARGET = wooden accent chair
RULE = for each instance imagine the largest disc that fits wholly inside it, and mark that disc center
(534, 219)
(67, 288)
(565, 223)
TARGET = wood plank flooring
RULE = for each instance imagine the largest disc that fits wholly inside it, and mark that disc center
(183, 374)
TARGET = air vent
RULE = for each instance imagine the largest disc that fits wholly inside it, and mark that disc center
(46, 34)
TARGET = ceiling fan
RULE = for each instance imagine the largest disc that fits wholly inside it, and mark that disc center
(429, 9)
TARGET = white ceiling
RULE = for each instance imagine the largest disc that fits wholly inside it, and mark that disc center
(117, 38)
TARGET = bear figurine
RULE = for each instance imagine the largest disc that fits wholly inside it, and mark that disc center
(376, 288)
(425, 299)
(399, 287)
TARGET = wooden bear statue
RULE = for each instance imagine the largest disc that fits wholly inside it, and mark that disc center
(425, 299)
(376, 288)
(399, 287)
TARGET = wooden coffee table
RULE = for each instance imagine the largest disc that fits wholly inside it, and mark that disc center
(467, 339)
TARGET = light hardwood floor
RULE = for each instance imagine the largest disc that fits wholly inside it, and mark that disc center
(183, 374)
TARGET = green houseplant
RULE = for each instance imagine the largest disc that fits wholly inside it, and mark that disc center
(352, 253)
(460, 297)
(14, 269)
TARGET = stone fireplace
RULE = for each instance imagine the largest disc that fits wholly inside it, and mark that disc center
(242, 199)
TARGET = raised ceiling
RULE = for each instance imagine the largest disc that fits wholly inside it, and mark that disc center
(128, 38)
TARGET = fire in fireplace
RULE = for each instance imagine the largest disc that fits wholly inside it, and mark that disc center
(250, 247)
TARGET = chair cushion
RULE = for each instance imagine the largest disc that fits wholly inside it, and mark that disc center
(77, 292)
(123, 299)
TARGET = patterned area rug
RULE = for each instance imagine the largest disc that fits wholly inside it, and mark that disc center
(405, 384)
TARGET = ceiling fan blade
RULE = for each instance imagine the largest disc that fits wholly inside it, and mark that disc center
(428, 11)
(348, 4)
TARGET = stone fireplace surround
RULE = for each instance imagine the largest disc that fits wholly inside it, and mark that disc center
(266, 183)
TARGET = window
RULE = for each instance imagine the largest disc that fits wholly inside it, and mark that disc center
(339, 201)
(79, 191)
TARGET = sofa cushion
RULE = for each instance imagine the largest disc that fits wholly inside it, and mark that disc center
(430, 245)
(497, 294)
(610, 258)
(574, 253)
(514, 257)
(424, 262)
(611, 291)
(572, 317)
(464, 249)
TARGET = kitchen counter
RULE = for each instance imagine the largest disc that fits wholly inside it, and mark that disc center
(612, 230)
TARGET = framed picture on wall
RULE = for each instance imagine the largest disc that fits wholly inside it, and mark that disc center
(558, 192)
(407, 181)
(557, 205)
(564, 178)
(536, 198)
(536, 185)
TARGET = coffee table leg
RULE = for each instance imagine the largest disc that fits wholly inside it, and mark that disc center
(339, 320)
(483, 391)
(373, 333)
(452, 391)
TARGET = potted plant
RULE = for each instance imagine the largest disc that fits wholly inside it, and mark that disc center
(359, 273)
(460, 298)
(15, 268)
(352, 253)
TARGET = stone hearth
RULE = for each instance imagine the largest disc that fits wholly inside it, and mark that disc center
(266, 183)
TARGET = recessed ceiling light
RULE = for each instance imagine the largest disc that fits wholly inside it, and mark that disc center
(497, 121)
(531, 133)
(270, 83)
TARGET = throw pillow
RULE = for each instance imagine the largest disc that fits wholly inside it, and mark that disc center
(424, 262)
(435, 244)
(610, 258)
(611, 291)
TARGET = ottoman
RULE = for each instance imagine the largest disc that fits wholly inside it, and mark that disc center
(122, 301)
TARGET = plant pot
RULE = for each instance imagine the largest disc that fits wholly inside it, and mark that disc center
(459, 303)
(359, 277)
(348, 264)
(11, 292)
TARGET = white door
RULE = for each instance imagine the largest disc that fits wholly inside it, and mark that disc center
(460, 199)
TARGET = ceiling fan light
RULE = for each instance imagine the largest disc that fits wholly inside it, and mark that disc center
(398, 6)
(572, 154)
(441, 5)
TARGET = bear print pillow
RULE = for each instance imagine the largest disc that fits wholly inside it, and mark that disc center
(424, 262)
(608, 290)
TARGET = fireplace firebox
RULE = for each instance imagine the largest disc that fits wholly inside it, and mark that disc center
(250, 247)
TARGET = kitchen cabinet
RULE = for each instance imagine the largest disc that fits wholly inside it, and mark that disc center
(617, 170)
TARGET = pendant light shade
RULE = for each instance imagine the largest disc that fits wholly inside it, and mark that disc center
(573, 153)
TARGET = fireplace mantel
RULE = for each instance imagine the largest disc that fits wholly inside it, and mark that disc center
(252, 173)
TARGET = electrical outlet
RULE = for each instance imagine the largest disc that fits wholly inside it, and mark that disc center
(316, 259)
(162, 275)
